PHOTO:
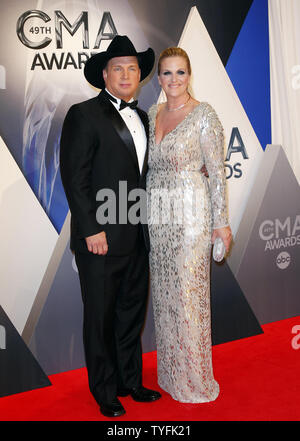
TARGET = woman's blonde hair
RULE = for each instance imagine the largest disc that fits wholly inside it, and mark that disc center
(174, 52)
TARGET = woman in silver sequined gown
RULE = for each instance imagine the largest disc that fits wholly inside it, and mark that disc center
(186, 212)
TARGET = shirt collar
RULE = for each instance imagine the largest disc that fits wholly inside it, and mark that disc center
(118, 99)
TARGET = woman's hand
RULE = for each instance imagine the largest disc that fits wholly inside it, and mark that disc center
(225, 234)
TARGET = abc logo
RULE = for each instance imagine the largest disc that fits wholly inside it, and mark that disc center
(283, 260)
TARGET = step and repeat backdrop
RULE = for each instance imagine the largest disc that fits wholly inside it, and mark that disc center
(245, 63)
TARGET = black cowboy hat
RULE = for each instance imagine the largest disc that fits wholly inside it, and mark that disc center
(120, 46)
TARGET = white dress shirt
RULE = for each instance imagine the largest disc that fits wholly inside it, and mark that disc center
(136, 128)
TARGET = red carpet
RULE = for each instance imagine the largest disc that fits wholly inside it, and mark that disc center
(258, 376)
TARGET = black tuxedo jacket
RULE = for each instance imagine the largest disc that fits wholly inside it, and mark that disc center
(97, 152)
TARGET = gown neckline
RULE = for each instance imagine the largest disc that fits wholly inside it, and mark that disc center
(171, 131)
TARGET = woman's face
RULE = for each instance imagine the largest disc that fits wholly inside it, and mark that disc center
(174, 76)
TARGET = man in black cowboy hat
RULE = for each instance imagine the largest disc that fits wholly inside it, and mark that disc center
(103, 144)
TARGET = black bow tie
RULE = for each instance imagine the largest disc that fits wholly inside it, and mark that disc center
(123, 104)
(132, 105)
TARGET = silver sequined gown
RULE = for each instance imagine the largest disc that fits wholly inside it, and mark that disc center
(183, 207)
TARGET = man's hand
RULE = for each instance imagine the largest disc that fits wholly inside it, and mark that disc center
(97, 243)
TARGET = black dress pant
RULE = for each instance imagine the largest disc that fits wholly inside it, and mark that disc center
(114, 292)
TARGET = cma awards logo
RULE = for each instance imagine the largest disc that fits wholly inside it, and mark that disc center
(236, 145)
(36, 30)
(279, 235)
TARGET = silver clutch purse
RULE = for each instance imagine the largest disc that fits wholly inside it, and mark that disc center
(218, 250)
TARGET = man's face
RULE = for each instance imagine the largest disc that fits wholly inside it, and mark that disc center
(122, 77)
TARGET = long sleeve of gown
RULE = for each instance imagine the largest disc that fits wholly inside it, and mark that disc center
(212, 144)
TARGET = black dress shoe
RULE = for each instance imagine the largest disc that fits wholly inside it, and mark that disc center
(112, 409)
(140, 394)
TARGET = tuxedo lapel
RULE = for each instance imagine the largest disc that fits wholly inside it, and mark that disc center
(119, 125)
(145, 121)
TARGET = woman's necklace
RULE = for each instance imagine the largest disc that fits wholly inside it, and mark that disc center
(179, 107)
